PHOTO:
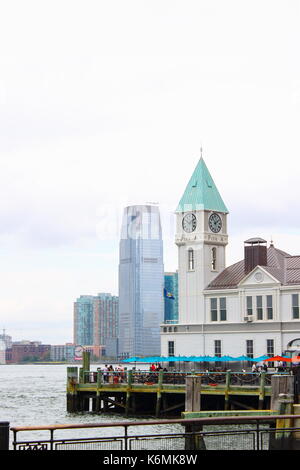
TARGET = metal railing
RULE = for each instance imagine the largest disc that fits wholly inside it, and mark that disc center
(179, 378)
(221, 433)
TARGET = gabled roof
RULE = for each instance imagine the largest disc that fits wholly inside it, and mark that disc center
(282, 266)
(201, 192)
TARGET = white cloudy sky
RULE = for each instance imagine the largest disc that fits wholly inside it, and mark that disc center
(106, 103)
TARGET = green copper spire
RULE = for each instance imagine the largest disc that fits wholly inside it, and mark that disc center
(201, 192)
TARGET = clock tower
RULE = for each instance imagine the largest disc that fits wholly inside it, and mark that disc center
(201, 237)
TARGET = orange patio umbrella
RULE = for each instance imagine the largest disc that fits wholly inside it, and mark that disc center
(279, 358)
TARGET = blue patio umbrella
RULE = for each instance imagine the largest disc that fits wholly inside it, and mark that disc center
(261, 358)
(131, 359)
(227, 358)
(242, 358)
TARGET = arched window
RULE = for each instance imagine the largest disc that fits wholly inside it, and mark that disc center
(190, 259)
(214, 258)
(294, 344)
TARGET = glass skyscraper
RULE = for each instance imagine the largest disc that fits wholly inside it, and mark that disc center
(141, 282)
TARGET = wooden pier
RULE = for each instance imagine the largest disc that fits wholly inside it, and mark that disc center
(163, 394)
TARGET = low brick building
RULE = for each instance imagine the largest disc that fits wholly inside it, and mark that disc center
(27, 351)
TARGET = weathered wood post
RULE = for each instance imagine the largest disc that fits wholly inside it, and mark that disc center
(128, 392)
(193, 393)
(281, 384)
(72, 380)
(193, 441)
(227, 388)
(282, 438)
(97, 402)
(282, 401)
(86, 356)
(4, 435)
(84, 402)
(158, 395)
(262, 390)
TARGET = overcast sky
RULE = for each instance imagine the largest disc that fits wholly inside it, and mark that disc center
(107, 103)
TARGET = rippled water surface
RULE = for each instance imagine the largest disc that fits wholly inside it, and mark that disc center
(35, 395)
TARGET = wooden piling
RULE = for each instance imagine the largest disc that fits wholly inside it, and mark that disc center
(227, 389)
(98, 392)
(281, 384)
(282, 400)
(261, 396)
(193, 440)
(86, 356)
(158, 394)
(193, 393)
(128, 392)
(72, 381)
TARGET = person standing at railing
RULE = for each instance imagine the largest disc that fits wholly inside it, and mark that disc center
(110, 374)
(105, 373)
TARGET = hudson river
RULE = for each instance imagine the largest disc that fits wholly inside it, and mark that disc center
(35, 395)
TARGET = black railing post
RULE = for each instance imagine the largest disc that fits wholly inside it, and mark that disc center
(51, 439)
(4, 435)
(126, 437)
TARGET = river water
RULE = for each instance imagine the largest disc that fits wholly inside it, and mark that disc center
(35, 395)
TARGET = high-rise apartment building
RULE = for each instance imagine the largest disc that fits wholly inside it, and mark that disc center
(105, 322)
(96, 321)
(141, 281)
(171, 297)
(83, 320)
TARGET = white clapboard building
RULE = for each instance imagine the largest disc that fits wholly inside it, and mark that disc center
(250, 308)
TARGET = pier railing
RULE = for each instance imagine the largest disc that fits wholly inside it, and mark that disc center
(179, 378)
(221, 433)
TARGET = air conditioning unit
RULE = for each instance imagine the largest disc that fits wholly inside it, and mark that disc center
(248, 318)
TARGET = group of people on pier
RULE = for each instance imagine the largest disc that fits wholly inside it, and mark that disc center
(113, 375)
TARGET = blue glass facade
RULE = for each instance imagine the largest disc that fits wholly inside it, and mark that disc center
(171, 297)
(141, 282)
(83, 320)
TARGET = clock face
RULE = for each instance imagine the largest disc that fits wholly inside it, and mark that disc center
(215, 223)
(189, 222)
(78, 351)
